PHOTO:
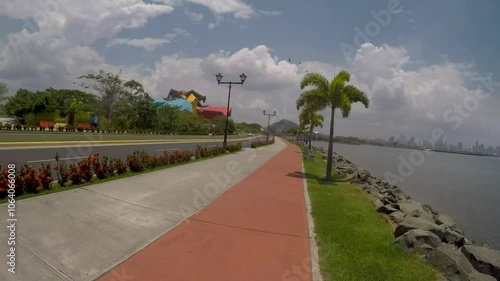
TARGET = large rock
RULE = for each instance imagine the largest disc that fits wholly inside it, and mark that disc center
(377, 203)
(348, 169)
(453, 237)
(444, 220)
(418, 240)
(389, 199)
(414, 209)
(410, 223)
(454, 265)
(483, 259)
(397, 217)
(370, 189)
(398, 194)
(386, 209)
(371, 181)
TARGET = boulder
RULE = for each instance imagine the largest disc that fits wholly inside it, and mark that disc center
(453, 237)
(418, 240)
(371, 181)
(414, 209)
(389, 199)
(372, 190)
(444, 220)
(397, 217)
(483, 259)
(410, 223)
(454, 265)
(386, 209)
(377, 203)
(345, 168)
(429, 209)
(398, 194)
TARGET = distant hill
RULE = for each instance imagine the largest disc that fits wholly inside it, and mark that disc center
(283, 125)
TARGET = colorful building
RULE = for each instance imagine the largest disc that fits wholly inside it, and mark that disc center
(192, 101)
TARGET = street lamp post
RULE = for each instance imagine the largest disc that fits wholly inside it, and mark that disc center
(268, 122)
(219, 76)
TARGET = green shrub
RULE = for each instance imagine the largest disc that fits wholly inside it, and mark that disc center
(137, 161)
(61, 120)
(233, 147)
(256, 144)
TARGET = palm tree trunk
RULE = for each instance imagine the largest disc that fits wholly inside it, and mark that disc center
(329, 160)
(310, 135)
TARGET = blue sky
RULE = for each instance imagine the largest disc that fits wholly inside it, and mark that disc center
(414, 68)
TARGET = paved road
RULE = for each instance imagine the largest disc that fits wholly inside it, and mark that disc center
(6, 136)
(73, 153)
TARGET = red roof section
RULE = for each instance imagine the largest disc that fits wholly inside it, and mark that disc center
(211, 112)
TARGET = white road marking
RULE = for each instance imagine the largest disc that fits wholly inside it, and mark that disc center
(168, 149)
(53, 160)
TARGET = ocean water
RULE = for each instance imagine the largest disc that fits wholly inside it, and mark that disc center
(465, 187)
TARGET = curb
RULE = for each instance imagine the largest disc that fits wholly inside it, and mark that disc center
(315, 269)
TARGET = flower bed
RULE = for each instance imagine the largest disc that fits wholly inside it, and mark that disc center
(31, 181)
(256, 144)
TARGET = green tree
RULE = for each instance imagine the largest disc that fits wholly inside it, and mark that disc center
(3, 92)
(190, 122)
(167, 117)
(145, 110)
(308, 117)
(134, 108)
(332, 95)
(70, 101)
(220, 125)
(25, 103)
(109, 87)
(292, 132)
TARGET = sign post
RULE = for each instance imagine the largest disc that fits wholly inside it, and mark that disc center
(94, 120)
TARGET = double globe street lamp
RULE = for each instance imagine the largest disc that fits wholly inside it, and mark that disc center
(219, 76)
(268, 122)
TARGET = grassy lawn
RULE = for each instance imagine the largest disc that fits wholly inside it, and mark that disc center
(355, 242)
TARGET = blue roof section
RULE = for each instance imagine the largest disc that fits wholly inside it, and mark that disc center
(182, 104)
(159, 102)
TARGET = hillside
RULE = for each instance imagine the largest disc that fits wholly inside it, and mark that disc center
(282, 125)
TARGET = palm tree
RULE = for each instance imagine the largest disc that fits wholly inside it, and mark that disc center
(330, 95)
(308, 116)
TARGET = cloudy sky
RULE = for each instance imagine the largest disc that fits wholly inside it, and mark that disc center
(424, 65)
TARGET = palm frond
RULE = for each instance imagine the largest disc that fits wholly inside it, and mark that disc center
(317, 120)
(316, 80)
(311, 97)
(341, 78)
(345, 106)
(356, 95)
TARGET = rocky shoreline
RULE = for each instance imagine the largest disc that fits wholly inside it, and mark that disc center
(422, 230)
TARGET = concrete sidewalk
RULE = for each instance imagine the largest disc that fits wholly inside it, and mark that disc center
(82, 233)
(257, 230)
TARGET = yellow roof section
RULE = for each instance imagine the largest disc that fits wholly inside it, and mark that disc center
(191, 97)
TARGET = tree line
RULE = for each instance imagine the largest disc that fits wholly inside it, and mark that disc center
(121, 105)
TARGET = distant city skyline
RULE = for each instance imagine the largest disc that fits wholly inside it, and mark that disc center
(439, 144)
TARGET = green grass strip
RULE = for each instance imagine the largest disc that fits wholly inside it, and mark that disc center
(355, 242)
